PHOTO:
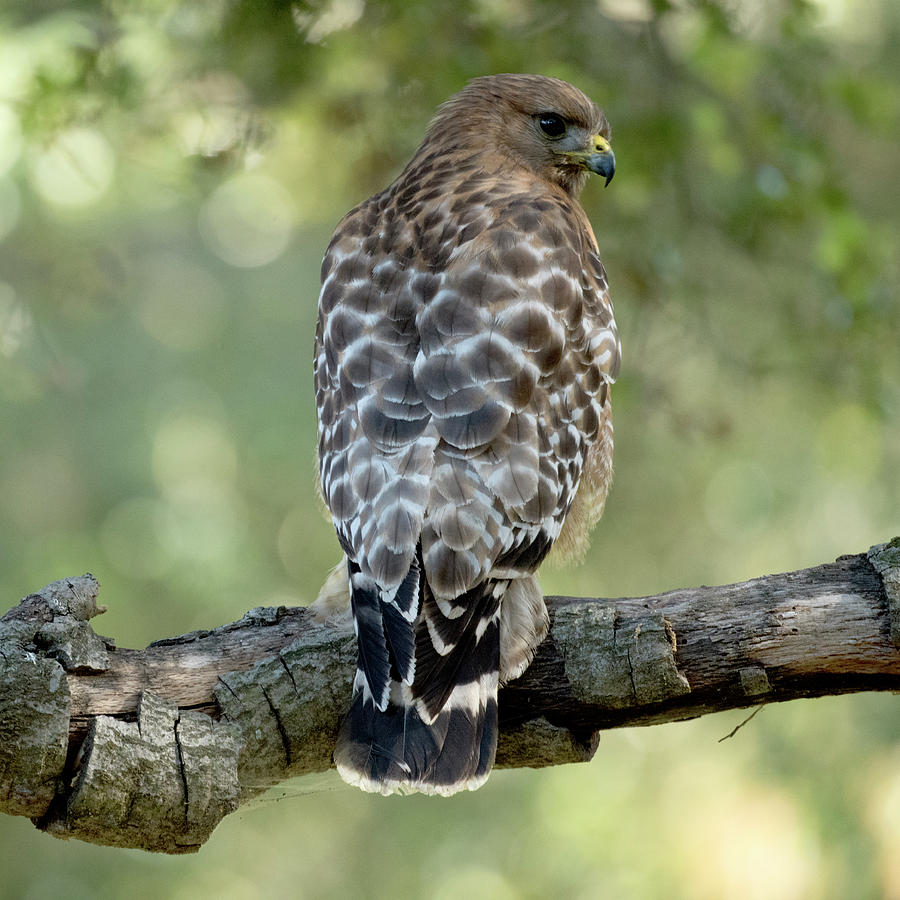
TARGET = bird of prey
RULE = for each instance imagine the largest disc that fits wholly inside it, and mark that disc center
(464, 352)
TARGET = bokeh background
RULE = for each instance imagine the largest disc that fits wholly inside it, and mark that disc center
(170, 173)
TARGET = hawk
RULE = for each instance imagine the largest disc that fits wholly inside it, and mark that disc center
(464, 352)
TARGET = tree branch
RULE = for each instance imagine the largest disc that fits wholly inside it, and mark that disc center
(152, 748)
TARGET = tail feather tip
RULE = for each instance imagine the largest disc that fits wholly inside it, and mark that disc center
(396, 752)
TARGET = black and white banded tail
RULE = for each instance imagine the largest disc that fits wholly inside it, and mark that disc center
(424, 710)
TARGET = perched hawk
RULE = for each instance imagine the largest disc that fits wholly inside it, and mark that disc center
(464, 352)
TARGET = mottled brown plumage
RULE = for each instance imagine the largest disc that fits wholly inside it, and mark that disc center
(464, 353)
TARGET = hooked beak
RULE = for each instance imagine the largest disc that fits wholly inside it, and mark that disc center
(601, 160)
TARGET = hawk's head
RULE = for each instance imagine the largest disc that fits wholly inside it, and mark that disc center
(544, 124)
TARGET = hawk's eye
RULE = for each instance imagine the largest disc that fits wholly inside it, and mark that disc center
(552, 125)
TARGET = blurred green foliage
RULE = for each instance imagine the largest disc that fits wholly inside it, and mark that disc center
(169, 176)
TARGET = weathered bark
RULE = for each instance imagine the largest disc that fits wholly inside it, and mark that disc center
(151, 748)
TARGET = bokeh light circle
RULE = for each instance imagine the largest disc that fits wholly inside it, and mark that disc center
(76, 170)
(247, 222)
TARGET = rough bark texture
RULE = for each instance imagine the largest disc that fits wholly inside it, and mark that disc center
(152, 748)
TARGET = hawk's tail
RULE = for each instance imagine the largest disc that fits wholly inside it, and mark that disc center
(435, 732)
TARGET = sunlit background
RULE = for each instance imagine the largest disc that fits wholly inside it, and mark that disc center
(169, 176)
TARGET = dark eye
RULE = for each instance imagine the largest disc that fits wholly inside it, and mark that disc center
(552, 125)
